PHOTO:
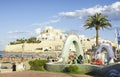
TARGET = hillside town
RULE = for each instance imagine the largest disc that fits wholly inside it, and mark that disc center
(52, 39)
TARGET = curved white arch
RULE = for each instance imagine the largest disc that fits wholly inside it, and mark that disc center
(72, 39)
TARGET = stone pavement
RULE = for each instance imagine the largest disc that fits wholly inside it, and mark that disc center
(40, 74)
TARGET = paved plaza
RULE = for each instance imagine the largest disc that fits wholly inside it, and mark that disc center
(40, 74)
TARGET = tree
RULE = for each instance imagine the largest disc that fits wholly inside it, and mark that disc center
(29, 40)
(32, 40)
(97, 21)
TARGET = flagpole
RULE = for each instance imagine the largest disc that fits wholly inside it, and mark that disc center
(116, 40)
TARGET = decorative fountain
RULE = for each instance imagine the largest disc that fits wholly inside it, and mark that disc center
(83, 68)
(62, 64)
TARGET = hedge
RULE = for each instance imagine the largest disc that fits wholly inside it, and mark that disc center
(37, 65)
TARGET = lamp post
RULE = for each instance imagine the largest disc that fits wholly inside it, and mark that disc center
(23, 48)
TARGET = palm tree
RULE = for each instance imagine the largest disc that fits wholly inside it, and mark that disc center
(97, 21)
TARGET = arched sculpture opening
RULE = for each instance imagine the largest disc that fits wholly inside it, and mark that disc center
(72, 39)
(109, 50)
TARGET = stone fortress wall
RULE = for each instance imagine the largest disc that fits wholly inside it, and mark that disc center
(35, 47)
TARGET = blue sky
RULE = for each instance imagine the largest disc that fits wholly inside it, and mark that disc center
(21, 18)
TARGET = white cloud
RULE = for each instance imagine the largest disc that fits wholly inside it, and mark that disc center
(38, 30)
(48, 27)
(112, 11)
(16, 31)
(14, 37)
(81, 13)
(2, 42)
(46, 23)
(36, 24)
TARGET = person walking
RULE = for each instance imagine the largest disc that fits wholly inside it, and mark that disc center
(14, 67)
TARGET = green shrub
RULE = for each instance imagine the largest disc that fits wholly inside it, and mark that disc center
(71, 69)
(37, 65)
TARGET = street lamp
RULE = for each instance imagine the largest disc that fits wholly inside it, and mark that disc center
(23, 48)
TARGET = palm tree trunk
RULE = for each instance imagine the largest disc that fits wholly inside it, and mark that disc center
(97, 36)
